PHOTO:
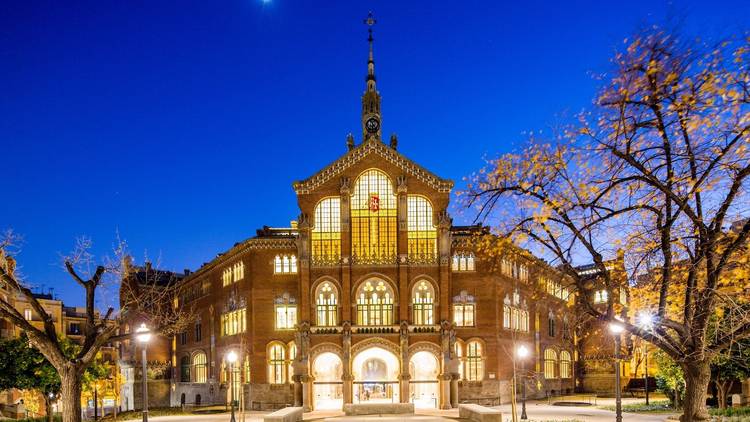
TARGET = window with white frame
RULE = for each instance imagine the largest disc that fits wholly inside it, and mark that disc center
(326, 302)
(375, 303)
(601, 296)
(233, 322)
(276, 363)
(285, 264)
(550, 362)
(463, 261)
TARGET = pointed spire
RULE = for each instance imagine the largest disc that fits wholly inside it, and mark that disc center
(371, 97)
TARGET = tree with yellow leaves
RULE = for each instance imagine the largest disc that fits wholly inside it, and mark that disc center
(656, 171)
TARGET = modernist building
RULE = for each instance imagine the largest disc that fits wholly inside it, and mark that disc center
(371, 295)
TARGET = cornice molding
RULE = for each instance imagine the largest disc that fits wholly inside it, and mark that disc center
(358, 154)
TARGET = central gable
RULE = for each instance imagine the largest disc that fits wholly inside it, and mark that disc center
(356, 155)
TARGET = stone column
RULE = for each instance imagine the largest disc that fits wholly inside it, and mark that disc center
(345, 298)
(404, 358)
(445, 391)
(444, 250)
(404, 386)
(347, 377)
(307, 396)
(454, 391)
(297, 390)
(348, 388)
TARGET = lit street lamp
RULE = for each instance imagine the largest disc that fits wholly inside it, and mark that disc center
(143, 335)
(523, 352)
(231, 358)
(646, 321)
(616, 328)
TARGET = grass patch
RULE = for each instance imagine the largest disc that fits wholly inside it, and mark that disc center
(730, 411)
(661, 406)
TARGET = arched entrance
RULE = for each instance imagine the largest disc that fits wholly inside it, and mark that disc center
(327, 370)
(375, 373)
(424, 388)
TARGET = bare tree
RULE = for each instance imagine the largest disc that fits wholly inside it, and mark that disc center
(656, 171)
(148, 298)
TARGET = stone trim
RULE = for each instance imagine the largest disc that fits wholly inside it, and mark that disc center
(358, 154)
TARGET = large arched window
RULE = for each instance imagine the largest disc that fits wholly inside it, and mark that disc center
(422, 302)
(459, 349)
(276, 363)
(422, 233)
(326, 303)
(565, 364)
(373, 215)
(185, 369)
(326, 234)
(550, 362)
(474, 363)
(199, 368)
(375, 303)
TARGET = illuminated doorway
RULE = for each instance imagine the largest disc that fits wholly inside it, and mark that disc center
(375, 373)
(423, 385)
(327, 387)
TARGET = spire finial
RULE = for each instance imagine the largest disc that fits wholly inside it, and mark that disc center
(371, 97)
(370, 21)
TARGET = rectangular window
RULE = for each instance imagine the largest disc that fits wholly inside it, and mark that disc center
(198, 332)
(463, 314)
(326, 234)
(226, 277)
(285, 264)
(515, 318)
(233, 322)
(286, 317)
(27, 314)
(183, 338)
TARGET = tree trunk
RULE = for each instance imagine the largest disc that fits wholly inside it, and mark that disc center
(697, 377)
(71, 396)
(48, 407)
(721, 394)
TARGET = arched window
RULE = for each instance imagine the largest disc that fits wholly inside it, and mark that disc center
(326, 234)
(199, 367)
(515, 313)
(423, 297)
(326, 302)
(276, 364)
(285, 264)
(185, 369)
(373, 216)
(463, 261)
(292, 356)
(463, 309)
(246, 367)
(551, 324)
(459, 348)
(565, 364)
(375, 303)
(474, 364)
(422, 233)
(550, 362)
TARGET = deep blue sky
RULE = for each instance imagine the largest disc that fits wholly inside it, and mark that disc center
(182, 124)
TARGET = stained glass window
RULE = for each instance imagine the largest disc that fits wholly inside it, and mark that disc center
(326, 234)
(375, 303)
(422, 303)
(422, 234)
(373, 214)
(326, 303)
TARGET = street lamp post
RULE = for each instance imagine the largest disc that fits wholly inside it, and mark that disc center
(616, 329)
(646, 321)
(143, 335)
(523, 352)
(231, 358)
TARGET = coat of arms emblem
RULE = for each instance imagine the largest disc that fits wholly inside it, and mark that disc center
(374, 202)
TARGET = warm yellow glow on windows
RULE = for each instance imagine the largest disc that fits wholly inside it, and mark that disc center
(511, 268)
(375, 303)
(246, 367)
(458, 347)
(326, 234)
(554, 288)
(550, 362)
(200, 370)
(422, 304)
(463, 314)
(286, 317)
(463, 261)
(515, 314)
(276, 364)
(601, 296)
(565, 365)
(326, 302)
(233, 322)
(373, 214)
(422, 234)
(233, 274)
(474, 364)
(285, 264)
